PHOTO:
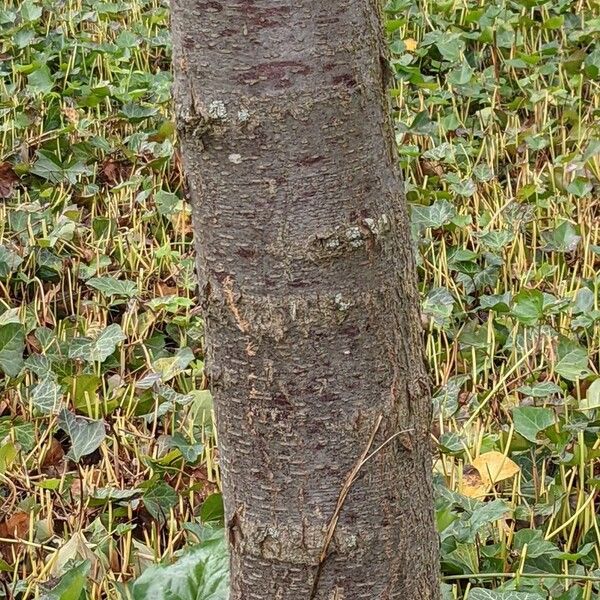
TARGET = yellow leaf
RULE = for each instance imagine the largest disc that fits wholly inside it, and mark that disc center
(472, 485)
(410, 44)
(494, 467)
(8, 453)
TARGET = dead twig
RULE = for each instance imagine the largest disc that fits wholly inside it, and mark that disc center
(362, 460)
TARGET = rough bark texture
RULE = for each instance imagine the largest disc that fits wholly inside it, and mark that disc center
(310, 301)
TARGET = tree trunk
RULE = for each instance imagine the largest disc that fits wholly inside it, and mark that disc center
(313, 339)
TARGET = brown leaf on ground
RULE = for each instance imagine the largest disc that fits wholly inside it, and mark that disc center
(55, 455)
(166, 290)
(8, 180)
(16, 526)
(114, 171)
(33, 343)
(432, 169)
(182, 223)
(472, 485)
(71, 114)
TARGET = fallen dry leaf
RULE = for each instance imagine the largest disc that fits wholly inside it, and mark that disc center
(167, 290)
(16, 526)
(71, 114)
(8, 180)
(34, 343)
(182, 223)
(54, 456)
(431, 168)
(494, 467)
(114, 171)
(410, 44)
(472, 485)
(487, 469)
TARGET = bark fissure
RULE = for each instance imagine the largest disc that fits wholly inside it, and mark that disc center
(309, 297)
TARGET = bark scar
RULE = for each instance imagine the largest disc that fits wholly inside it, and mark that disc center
(199, 122)
(242, 324)
(233, 529)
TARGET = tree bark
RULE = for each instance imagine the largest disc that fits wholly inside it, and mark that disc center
(313, 340)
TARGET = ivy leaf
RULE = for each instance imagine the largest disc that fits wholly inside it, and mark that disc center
(584, 301)
(540, 390)
(22, 39)
(82, 348)
(572, 360)
(111, 286)
(71, 585)
(158, 499)
(8, 454)
(40, 81)
(496, 240)
(46, 395)
(9, 261)
(592, 397)
(190, 450)
(49, 167)
(136, 113)
(171, 366)
(437, 215)
(464, 188)
(12, 345)
(450, 46)
(394, 6)
(497, 302)
(579, 187)
(200, 573)
(446, 399)
(483, 172)
(439, 305)
(463, 558)
(84, 390)
(86, 434)
(167, 203)
(563, 238)
(127, 39)
(484, 515)
(10, 316)
(461, 75)
(555, 22)
(535, 542)
(592, 64)
(528, 306)
(483, 594)
(212, 509)
(99, 349)
(25, 434)
(30, 12)
(530, 420)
